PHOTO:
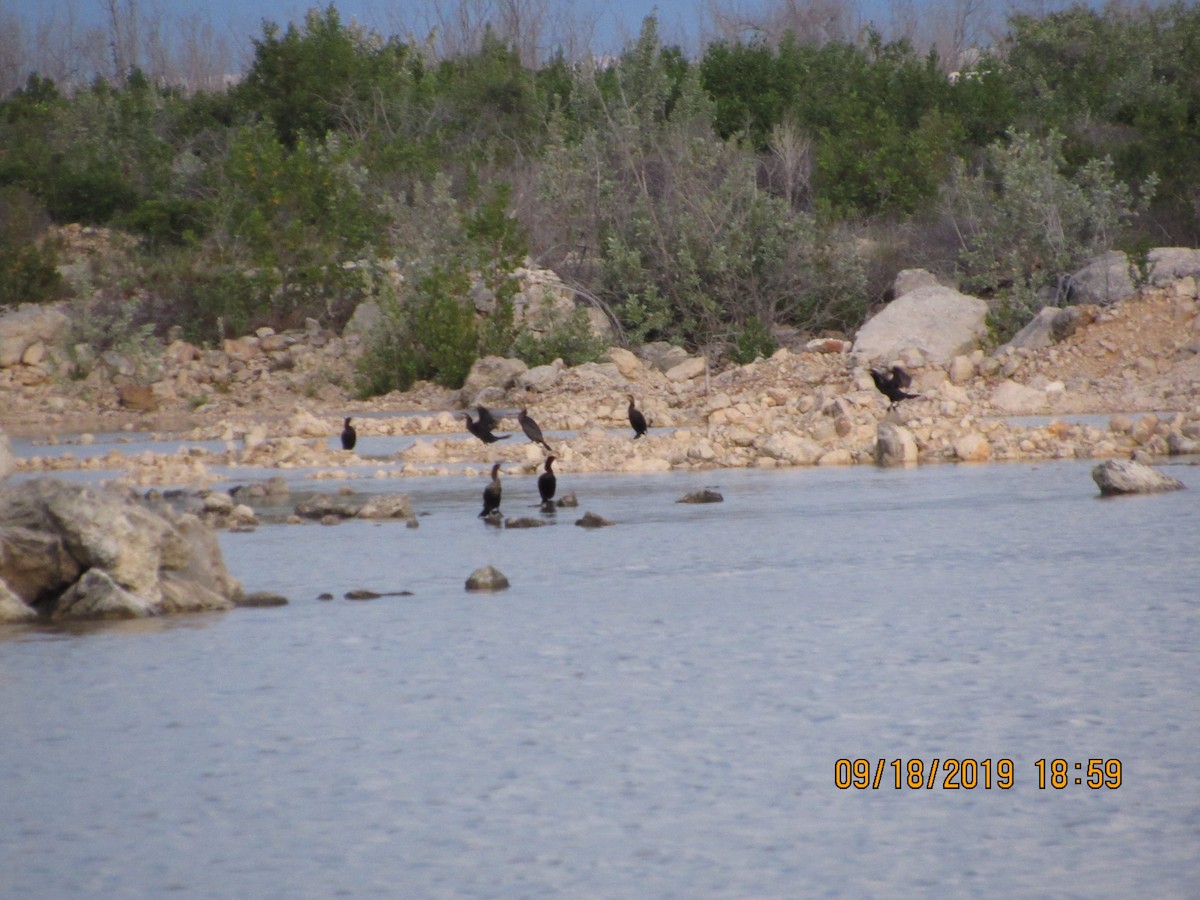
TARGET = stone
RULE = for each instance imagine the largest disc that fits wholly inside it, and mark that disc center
(961, 370)
(895, 445)
(791, 448)
(491, 372)
(387, 506)
(1125, 476)
(30, 324)
(487, 578)
(8, 462)
(591, 520)
(972, 448)
(1038, 331)
(707, 495)
(540, 379)
(625, 361)
(937, 321)
(525, 522)
(73, 551)
(908, 280)
(261, 599)
(692, 367)
(1017, 399)
(1103, 281)
(662, 355)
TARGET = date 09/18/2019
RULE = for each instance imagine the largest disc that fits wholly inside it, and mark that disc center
(970, 774)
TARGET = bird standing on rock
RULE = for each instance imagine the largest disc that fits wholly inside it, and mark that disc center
(484, 434)
(636, 419)
(891, 384)
(491, 494)
(547, 482)
(531, 429)
(349, 435)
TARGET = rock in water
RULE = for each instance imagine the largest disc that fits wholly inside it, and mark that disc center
(487, 578)
(69, 551)
(1124, 476)
(708, 495)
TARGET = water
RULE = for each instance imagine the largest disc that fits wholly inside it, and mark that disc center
(652, 710)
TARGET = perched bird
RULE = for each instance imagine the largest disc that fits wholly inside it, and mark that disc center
(636, 419)
(531, 429)
(491, 494)
(486, 420)
(547, 483)
(891, 384)
(349, 435)
(484, 434)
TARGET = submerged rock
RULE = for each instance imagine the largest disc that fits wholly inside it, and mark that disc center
(591, 520)
(707, 495)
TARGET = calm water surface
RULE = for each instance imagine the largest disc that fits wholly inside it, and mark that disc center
(652, 710)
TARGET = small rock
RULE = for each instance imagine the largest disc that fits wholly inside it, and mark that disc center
(708, 495)
(487, 578)
(362, 594)
(524, 522)
(567, 501)
(591, 520)
(260, 599)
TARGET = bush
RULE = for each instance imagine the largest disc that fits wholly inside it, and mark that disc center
(28, 261)
(569, 339)
(431, 336)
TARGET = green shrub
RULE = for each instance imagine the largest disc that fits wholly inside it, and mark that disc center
(569, 339)
(430, 336)
(755, 340)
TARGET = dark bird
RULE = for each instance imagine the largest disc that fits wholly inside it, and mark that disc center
(491, 494)
(891, 384)
(486, 420)
(349, 435)
(531, 429)
(547, 483)
(636, 419)
(484, 434)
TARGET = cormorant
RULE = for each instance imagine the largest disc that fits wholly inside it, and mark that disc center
(486, 420)
(636, 419)
(491, 494)
(484, 434)
(547, 483)
(531, 429)
(892, 383)
(349, 435)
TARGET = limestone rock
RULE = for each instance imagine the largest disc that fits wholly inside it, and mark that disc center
(491, 372)
(540, 378)
(1124, 476)
(972, 447)
(908, 280)
(894, 445)
(938, 321)
(790, 448)
(29, 324)
(74, 551)
(1103, 281)
(692, 367)
(1017, 399)
(624, 360)
(487, 578)
(662, 355)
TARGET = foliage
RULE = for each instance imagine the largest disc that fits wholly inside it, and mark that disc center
(569, 338)
(431, 336)
(754, 341)
(28, 262)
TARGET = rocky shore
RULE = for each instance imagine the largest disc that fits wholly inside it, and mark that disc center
(278, 400)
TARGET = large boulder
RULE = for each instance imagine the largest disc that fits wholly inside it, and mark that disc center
(894, 445)
(491, 372)
(1124, 476)
(1113, 277)
(74, 551)
(27, 326)
(938, 321)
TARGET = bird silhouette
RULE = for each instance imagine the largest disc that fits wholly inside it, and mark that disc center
(491, 494)
(636, 419)
(484, 434)
(891, 384)
(486, 420)
(349, 435)
(547, 482)
(531, 429)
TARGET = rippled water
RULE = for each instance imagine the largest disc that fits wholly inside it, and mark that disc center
(652, 710)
